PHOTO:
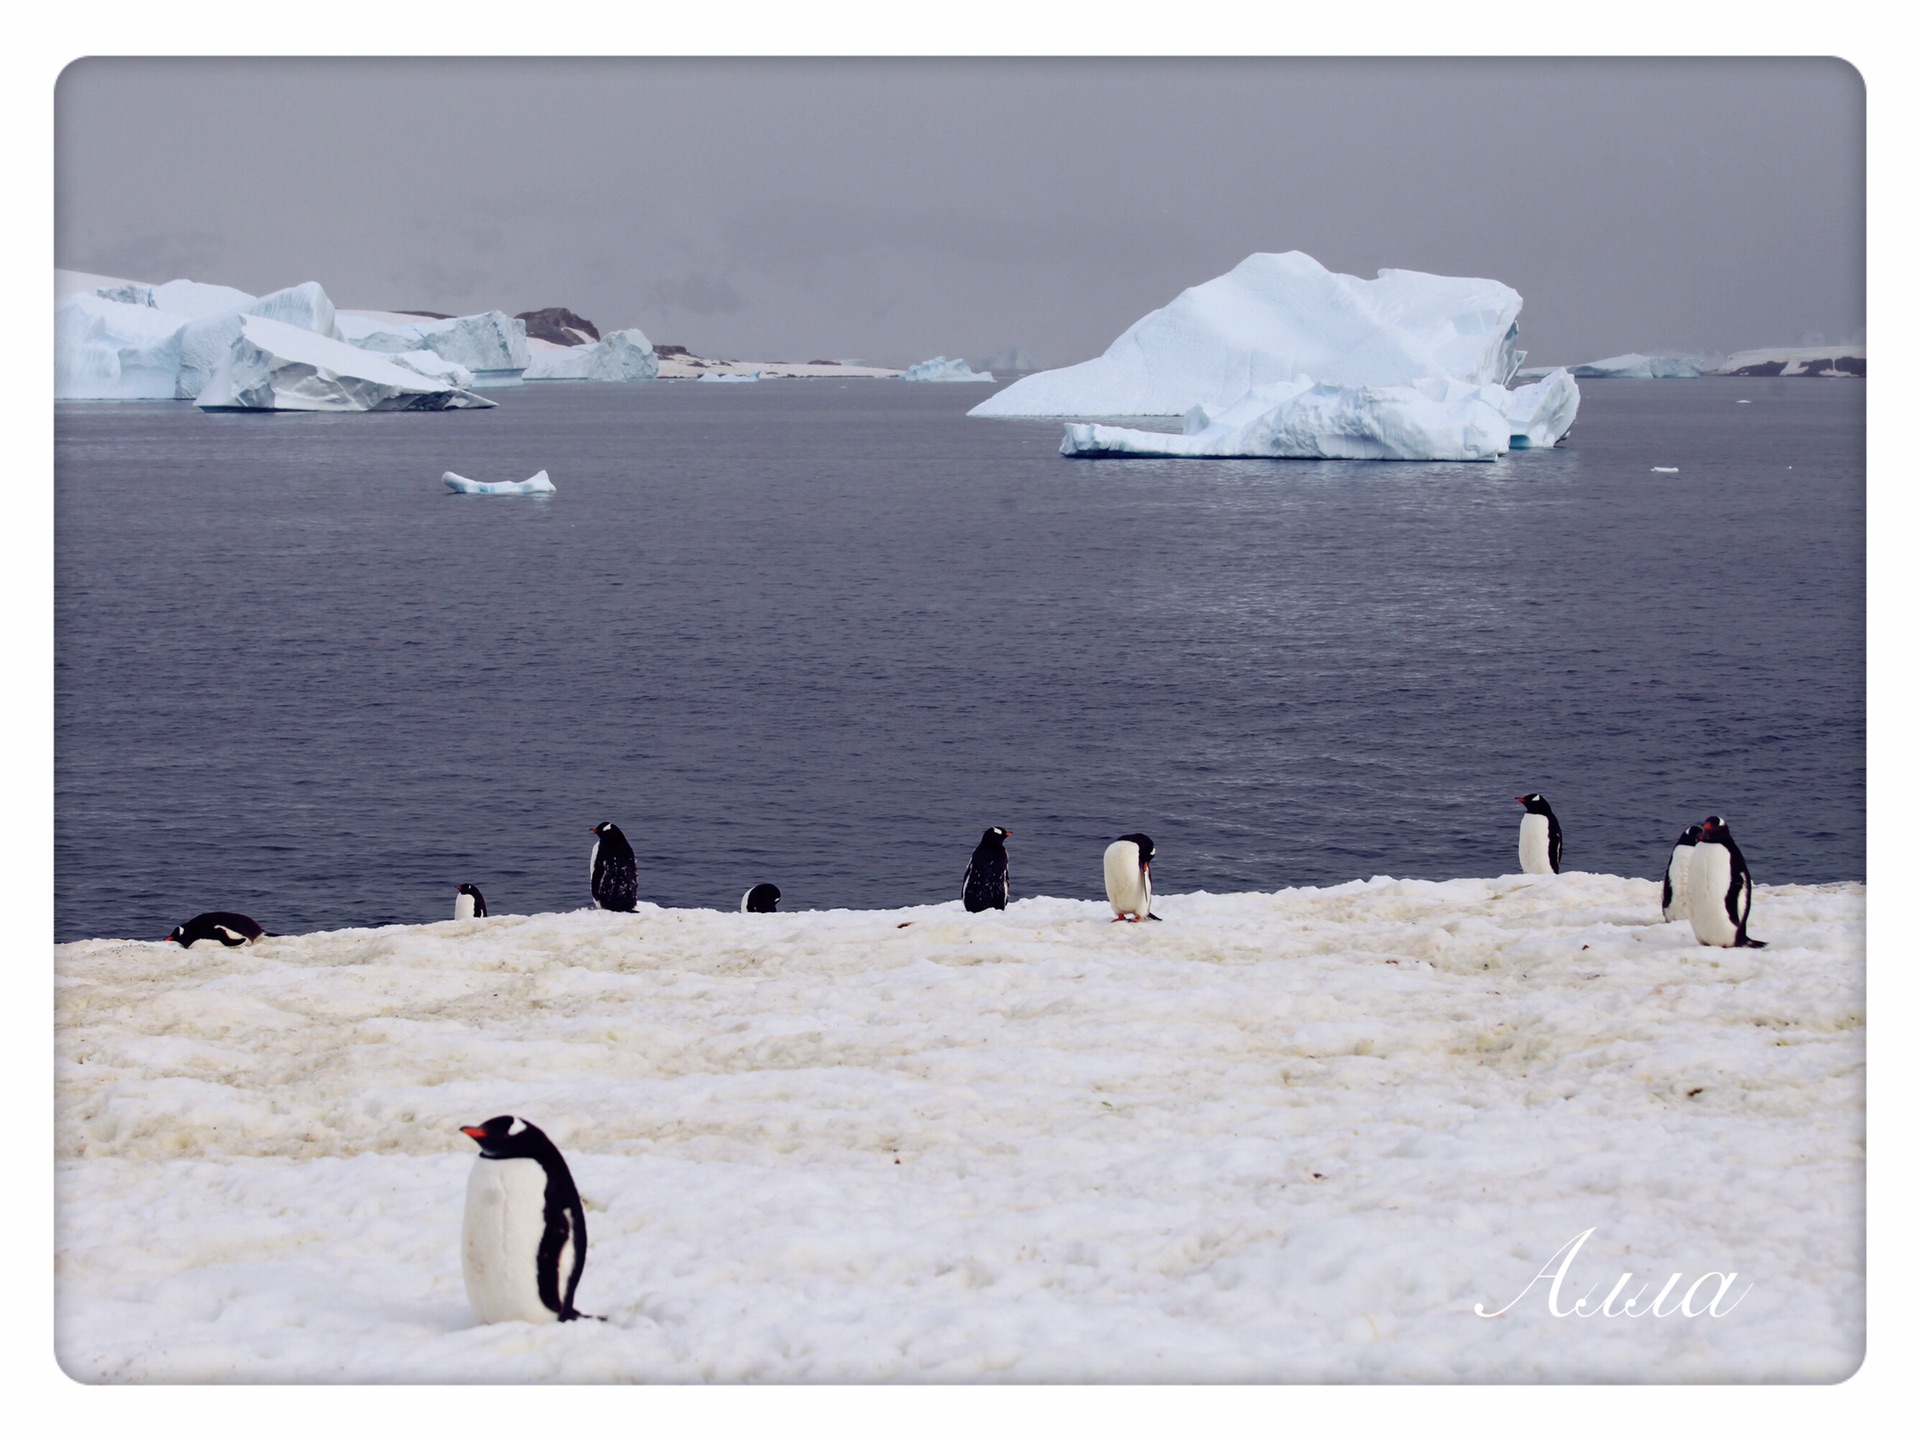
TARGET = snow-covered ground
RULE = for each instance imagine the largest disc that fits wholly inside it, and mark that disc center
(1294, 1136)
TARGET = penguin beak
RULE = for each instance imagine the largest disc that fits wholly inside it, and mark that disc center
(473, 1132)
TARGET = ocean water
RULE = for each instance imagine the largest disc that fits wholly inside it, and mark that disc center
(824, 633)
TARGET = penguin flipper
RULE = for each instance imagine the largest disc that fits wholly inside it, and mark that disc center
(1152, 916)
(228, 938)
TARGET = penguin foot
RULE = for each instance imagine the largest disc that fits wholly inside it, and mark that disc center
(1153, 917)
(1752, 944)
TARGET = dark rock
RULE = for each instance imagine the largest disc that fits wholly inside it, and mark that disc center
(665, 350)
(559, 326)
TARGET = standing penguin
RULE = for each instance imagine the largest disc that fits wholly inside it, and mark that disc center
(1673, 889)
(523, 1242)
(762, 899)
(1719, 889)
(1539, 837)
(469, 903)
(988, 880)
(229, 927)
(1129, 881)
(611, 871)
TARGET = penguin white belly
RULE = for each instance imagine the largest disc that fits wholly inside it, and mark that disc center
(1678, 869)
(500, 1240)
(593, 868)
(463, 907)
(1707, 880)
(1129, 889)
(1534, 856)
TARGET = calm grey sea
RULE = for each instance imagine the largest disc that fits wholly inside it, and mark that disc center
(823, 633)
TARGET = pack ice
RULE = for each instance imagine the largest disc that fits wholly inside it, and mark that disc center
(940, 368)
(271, 365)
(1283, 357)
(624, 355)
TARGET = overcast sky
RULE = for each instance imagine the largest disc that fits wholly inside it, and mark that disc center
(892, 210)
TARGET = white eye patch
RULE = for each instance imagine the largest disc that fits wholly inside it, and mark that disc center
(517, 1126)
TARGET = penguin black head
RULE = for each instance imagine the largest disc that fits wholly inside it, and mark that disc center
(1692, 837)
(508, 1137)
(473, 890)
(994, 835)
(1536, 803)
(762, 899)
(1145, 846)
(1714, 828)
(607, 827)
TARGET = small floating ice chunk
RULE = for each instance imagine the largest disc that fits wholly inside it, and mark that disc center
(533, 485)
(941, 368)
(746, 379)
(1666, 470)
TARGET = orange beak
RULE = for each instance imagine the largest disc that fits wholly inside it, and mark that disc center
(473, 1131)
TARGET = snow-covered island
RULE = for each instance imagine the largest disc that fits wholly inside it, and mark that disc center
(1290, 1136)
(1283, 358)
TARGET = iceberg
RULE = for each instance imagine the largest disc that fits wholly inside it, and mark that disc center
(276, 366)
(623, 355)
(1273, 318)
(425, 362)
(493, 345)
(533, 485)
(107, 350)
(941, 368)
(185, 299)
(1434, 418)
(1634, 366)
(206, 342)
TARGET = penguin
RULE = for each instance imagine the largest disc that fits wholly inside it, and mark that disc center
(226, 926)
(1673, 890)
(523, 1242)
(469, 903)
(760, 900)
(1129, 881)
(988, 880)
(1719, 889)
(1539, 837)
(611, 872)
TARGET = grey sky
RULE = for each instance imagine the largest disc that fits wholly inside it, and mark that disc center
(897, 209)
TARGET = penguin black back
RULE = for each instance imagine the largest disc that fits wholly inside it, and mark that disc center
(613, 876)
(989, 880)
(507, 1137)
(229, 927)
(762, 899)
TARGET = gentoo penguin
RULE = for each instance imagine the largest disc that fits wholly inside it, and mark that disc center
(1719, 890)
(611, 872)
(988, 881)
(1129, 881)
(524, 1241)
(229, 928)
(469, 903)
(1673, 890)
(1539, 837)
(762, 899)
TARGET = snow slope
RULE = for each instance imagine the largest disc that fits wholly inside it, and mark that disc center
(1290, 1136)
(1278, 318)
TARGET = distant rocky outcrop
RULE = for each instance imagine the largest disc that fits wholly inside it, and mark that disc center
(559, 326)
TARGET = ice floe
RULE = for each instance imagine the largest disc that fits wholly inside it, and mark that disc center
(1290, 1136)
(746, 377)
(1273, 319)
(537, 484)
(940, 368)
(492, 344)
(623, 355)
(271, 365)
